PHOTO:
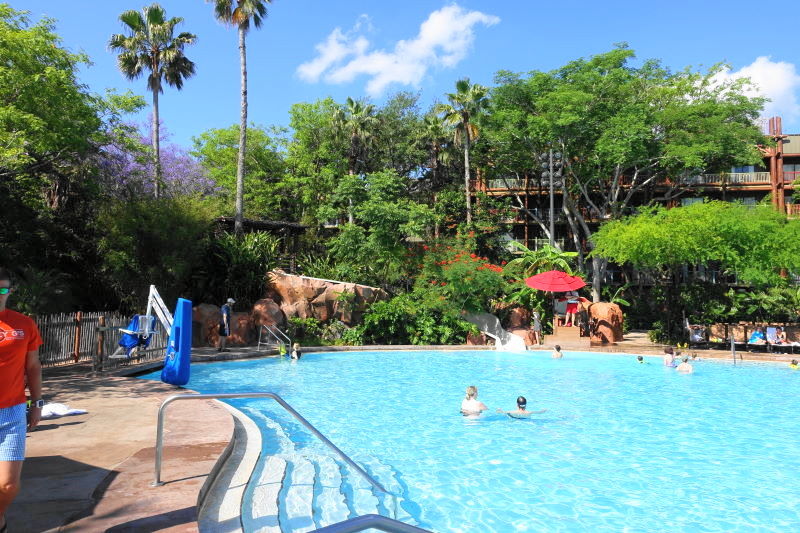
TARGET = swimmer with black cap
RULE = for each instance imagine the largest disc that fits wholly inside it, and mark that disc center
(521, 411)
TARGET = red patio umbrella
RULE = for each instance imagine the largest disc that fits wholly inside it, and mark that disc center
(555, 281)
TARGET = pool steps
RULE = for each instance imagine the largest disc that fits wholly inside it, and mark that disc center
(219, 502)
(298, 490)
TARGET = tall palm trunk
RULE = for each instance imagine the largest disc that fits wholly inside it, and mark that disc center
(238, 224)
(466, 173)
(350, 218)
(154, 134)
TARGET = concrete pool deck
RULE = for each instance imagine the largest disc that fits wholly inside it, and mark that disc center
(93, 472)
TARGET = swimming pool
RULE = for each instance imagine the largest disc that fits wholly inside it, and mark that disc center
(622, 447)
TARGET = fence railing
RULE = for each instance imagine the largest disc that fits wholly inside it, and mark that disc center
(89, 337)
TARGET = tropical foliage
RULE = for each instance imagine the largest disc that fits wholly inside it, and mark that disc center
(151, 45)
(383, 190)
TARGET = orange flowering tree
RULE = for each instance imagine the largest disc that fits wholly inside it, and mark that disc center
(470, 282)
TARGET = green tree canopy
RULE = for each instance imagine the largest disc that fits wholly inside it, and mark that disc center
(266, 193)
(629, 133)
(754, 242)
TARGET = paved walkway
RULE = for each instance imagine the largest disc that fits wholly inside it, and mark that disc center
(93, 471)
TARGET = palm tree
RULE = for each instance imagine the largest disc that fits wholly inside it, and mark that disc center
(151, 45)
(433, 138)
(357, 121)
(533, 262)
(241, 13)
(465, 105)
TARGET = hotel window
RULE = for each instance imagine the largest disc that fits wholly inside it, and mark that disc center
(690, 201)
(748, 200)
(743, 169)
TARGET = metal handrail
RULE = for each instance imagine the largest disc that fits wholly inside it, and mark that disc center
(160, 429)
(272, 331)
(370, 521)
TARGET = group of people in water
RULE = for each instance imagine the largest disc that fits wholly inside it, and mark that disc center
(472, 406)
(684, 367)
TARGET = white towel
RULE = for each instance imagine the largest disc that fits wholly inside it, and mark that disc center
(56, 410)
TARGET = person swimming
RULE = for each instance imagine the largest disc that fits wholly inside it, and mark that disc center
(641, 360)
(669, 357)
(470, 405)
(296, 353)
(521, 411)
(793, 365)
(685, 367)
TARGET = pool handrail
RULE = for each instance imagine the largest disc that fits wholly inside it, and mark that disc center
(229, 395)
(276, 333)
(370, 521)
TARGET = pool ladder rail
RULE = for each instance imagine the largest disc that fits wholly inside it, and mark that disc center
(358, 523)
(267, 332)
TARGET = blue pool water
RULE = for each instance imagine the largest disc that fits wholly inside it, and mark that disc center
(622, 447)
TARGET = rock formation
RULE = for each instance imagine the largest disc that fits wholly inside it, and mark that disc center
(205, 327)
(518, 317)
(304, 297)
(605, 321)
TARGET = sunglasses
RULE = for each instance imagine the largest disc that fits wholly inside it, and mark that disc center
(5, 290)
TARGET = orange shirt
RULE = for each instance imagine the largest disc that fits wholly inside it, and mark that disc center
(18, 336)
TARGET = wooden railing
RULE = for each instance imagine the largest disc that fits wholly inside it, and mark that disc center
(82, 337)
(730, 178)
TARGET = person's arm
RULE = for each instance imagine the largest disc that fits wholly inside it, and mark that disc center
(33, 375)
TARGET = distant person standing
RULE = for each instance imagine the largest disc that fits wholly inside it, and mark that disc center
(225, 324)
(536, 326)
(19, 366)
(572, 308)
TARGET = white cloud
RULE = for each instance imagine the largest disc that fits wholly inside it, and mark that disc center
(778, 81)
(442, 42)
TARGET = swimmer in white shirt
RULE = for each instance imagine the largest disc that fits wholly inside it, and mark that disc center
(470, 405)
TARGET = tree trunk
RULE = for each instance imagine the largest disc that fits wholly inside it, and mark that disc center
(154, 132)
(350, 219)
(598, 272)
(466, 174)
(238, 225)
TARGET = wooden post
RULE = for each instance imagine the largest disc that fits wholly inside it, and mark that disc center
(97, 361)
(76, 349)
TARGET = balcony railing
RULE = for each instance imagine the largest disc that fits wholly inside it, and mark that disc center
(731, 178)
(793, 210)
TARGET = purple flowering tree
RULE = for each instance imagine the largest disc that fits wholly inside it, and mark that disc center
(126, 166)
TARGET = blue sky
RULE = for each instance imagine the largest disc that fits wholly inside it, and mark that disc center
(310, 49)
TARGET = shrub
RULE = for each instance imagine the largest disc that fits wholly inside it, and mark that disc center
(414, 318)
